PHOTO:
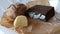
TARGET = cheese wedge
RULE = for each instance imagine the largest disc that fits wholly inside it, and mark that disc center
(20, 21)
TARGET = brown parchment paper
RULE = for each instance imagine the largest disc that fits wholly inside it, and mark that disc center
(40, 27)
(37, 2)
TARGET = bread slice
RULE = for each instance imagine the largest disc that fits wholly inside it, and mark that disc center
(20, 21)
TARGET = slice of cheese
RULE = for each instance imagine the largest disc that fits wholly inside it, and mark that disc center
(20, 21)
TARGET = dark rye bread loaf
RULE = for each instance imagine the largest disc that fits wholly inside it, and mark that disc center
(47, 11)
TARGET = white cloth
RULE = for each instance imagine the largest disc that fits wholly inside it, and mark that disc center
(55, 4)
(4, 30)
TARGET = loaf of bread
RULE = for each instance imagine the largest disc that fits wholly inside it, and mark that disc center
(11, 13)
